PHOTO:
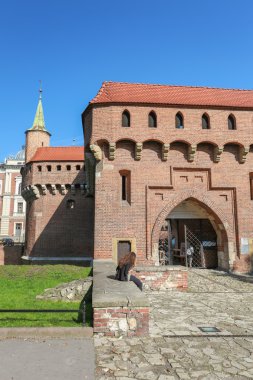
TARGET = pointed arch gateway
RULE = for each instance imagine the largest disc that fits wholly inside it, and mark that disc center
(220, 224)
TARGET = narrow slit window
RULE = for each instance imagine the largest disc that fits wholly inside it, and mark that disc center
(124, 190)
(251, 186)
(125, 186)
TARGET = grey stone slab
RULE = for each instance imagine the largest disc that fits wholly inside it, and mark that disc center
(108, 292)
(47, 359)
(214, 299)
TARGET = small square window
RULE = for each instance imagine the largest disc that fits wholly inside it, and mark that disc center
(49, 168)
(39, 168)
(68, 167)
(58, 167)
(78, 167)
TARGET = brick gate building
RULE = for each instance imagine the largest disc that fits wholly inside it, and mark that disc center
(158, 157)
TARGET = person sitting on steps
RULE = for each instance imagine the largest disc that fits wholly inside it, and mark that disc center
(125, 266)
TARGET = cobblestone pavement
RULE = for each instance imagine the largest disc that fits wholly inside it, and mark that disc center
(177, 348)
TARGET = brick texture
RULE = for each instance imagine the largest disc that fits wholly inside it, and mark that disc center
(221, 188)
(117, 321)
(170, 279)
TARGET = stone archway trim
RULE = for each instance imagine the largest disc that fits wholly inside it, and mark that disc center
(200, 197)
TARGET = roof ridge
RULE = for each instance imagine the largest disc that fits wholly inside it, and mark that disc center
(170, 85)
(52, 147)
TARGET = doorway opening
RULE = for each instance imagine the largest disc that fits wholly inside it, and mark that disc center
(189, 237)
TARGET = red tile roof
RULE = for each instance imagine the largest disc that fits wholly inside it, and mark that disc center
(61, 153)
(118, 92)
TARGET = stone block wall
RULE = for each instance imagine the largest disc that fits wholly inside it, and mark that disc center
(117, 321)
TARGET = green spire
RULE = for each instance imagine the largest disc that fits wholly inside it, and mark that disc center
(39, 123)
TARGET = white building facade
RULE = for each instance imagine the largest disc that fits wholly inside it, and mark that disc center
(12, 205)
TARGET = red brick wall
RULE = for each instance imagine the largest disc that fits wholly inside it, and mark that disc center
(54, 230)
(117, 321)
(222, 188)
(34, 140)
(162, 280)
(10, 255)
(106, 124)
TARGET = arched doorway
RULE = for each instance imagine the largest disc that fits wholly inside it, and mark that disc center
(201, 224)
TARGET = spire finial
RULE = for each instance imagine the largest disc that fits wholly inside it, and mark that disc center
(39, 123)
(40, 90)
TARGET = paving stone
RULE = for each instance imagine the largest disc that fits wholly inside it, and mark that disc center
(213, 299)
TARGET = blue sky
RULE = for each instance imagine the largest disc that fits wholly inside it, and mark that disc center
(73, 46)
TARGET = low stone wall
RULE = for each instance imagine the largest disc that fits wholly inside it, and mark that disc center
(119, 308)
(162, 277)
(76, 290)
(10, 255)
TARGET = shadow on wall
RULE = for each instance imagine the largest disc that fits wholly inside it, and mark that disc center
(10, 255)
(60, 223)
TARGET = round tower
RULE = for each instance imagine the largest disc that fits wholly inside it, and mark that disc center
(37, 136)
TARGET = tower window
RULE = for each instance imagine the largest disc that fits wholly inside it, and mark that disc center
(58, 167)
(39, 168)
(179, 121)
(78, 167)
(49, 168)
(125, 119)
(205, 121)
(125, 185)
(152, 122)
(71, 203)
(231, 122)
(68, 167)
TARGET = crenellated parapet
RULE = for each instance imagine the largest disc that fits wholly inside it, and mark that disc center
(33, 192)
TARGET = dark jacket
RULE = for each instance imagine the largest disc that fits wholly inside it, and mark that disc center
(122, 273)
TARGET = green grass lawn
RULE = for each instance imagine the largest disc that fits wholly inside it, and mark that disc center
(19, 285)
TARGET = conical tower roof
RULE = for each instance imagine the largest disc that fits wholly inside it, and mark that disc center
(39, 122)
